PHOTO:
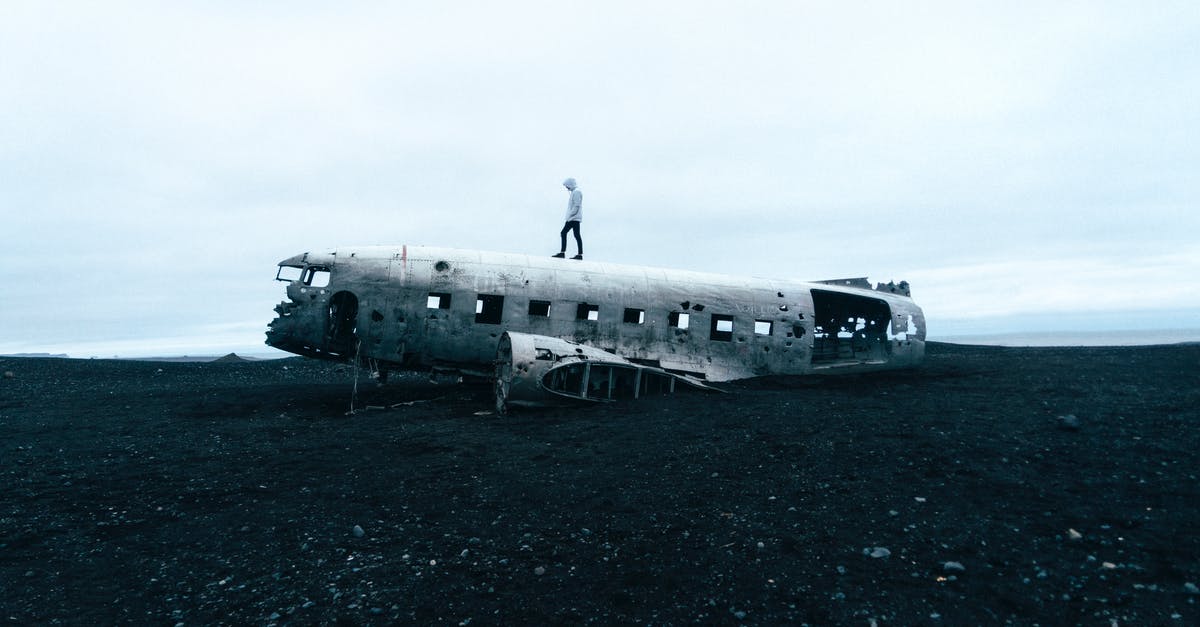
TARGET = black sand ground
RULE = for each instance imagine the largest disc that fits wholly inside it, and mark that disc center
(164, 493)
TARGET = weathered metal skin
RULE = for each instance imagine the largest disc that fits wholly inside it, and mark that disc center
(438, 308)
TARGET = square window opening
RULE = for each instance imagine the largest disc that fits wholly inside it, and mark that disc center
(678, 319)
(762, 327)
(438, 300)
(489, 308)
(635, 316)
(586, 311)
(721, 329)
(540, 308)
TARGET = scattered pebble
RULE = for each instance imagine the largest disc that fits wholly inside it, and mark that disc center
(358, 532)
(1074, 535)
(539, 571)
(8, 374)
(877, 552)
(1191, 588)
(1108, 566)
(1069, 422)
(954, 567)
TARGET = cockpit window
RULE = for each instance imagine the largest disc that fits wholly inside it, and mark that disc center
(316, 276)
(289, 273)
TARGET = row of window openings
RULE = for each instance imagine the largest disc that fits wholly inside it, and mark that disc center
(489, 307)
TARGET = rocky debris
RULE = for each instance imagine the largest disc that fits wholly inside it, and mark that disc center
(1068, 422)
(228, 494)
(953, 567)
(877, 552)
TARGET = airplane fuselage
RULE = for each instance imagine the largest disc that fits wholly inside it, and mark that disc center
(417, 307)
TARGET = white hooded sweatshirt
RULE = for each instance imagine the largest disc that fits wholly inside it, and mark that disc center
(575, 203)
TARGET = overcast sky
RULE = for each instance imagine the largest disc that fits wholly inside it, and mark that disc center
(1025, 166)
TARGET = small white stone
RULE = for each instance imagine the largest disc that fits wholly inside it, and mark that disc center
(539, 571)
(1074, 535)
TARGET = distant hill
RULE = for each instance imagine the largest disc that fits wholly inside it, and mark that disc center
(230, 358)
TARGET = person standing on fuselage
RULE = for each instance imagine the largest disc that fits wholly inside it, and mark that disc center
(574, 217)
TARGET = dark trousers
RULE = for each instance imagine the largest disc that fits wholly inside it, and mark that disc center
(571, 225)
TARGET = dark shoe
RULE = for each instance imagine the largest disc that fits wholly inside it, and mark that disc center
(560, 255)
(577, 257)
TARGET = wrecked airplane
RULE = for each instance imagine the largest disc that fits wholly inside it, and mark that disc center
(548, 330)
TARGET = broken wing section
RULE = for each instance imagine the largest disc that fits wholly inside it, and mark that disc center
(539, 371)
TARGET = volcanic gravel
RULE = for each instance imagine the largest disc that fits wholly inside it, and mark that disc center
(990, 486)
